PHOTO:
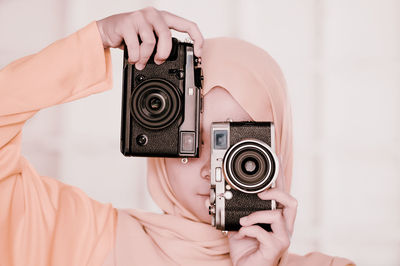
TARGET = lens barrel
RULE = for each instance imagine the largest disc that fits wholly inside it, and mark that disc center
(250, 166)
(156, 104)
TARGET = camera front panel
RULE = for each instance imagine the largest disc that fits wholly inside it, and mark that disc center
(243, 152)
(156, 120)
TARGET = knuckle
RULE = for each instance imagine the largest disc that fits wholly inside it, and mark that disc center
(150, 42)
(286, 243)
(193, 26)
(137, 15)
(295, 203)
(150, 9)
(151, 13)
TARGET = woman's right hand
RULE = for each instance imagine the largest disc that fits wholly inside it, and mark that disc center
(126, 27)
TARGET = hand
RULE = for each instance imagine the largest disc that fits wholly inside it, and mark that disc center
(126, 27)
(252, 245)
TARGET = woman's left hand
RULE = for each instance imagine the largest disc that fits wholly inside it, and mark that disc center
(252, 245)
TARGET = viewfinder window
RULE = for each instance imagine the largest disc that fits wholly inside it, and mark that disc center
(220, 139)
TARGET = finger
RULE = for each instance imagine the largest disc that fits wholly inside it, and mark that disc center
(183, 25)
(146, 48)
(256, 232)
(132, 44)
(164, 44)
(279, 195)
(273, 217)
(289, 204)
(269, 243)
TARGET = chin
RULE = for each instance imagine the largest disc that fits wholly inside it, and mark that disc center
(202, 211)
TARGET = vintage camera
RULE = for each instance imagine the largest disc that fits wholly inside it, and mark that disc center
(161, 105)
(243, 163)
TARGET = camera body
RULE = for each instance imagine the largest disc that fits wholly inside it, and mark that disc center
(161, 105)
(243, 163)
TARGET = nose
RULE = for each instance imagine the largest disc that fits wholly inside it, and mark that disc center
(205, 170)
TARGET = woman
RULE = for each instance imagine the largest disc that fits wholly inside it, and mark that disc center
(46, 222)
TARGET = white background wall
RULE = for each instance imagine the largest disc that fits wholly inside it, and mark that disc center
(342, 63)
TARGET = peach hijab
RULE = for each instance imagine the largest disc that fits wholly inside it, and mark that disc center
(177, 237)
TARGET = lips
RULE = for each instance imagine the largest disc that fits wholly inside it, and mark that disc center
(204, 192)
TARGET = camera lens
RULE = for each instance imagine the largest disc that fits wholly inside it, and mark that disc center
(156, 104)
(250, 166)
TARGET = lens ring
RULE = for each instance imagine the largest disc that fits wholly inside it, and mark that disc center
(250, 166)
(149, 114)
(257, 160)
(239, 177)
(248, 149)
(156, 118)
(155, 103)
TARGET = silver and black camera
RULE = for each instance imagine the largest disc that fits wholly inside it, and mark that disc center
(161, 105)
(243, 163)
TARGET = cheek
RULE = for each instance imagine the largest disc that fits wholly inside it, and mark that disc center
(180, 177)
(186, 183)
(173, 168)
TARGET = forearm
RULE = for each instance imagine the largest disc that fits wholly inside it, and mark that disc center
(68, 69)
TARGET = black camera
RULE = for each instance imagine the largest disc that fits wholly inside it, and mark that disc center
(243, 163)
(161, 105)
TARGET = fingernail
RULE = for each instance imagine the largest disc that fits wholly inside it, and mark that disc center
(243, 220)
(139, 66)
(158, 62)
